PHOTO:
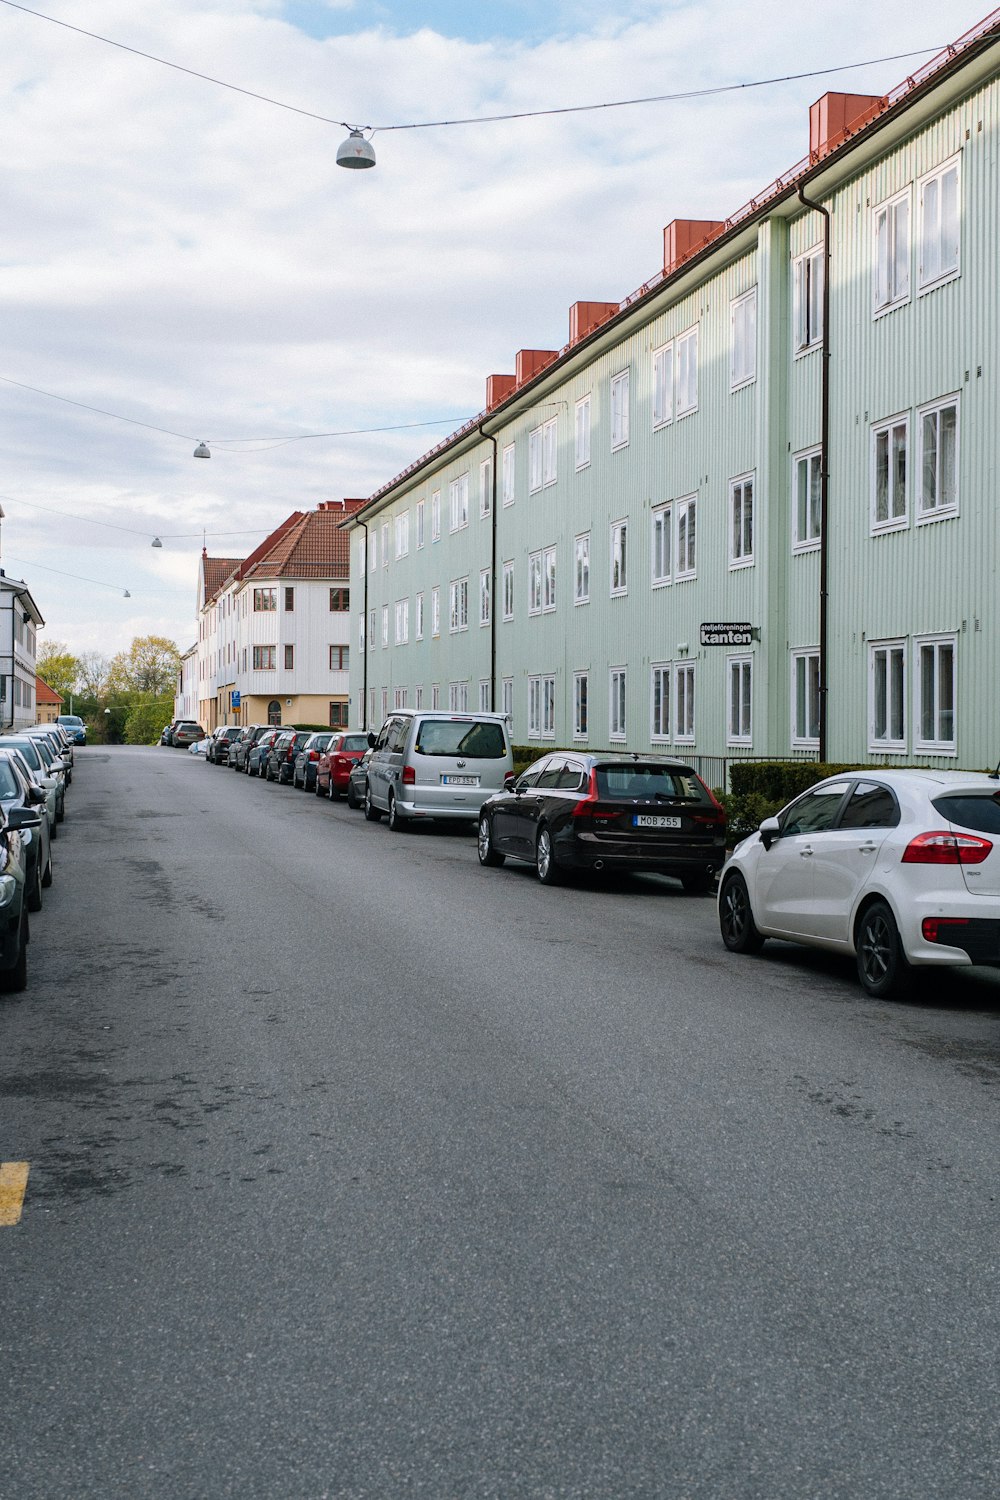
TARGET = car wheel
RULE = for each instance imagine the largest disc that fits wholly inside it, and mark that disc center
(372, 813)
(47, 877)
(488, 855)
(545, 861)
(16, 978)
(882, 969)
(54, 830)
(34, 896)
(698, 882)
(739, 930)
(352, 796)
(60, 812)
(397, 822)
(320, 791)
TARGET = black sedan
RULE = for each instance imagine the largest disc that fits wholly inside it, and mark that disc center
(614, 812)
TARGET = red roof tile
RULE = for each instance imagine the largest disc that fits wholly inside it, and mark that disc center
(45, 694)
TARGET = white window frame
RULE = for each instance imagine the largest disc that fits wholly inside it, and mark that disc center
(371, 629)
(548, 580)
(663, 385)
(508, 473)
(809, 542)
(402, 622)
(384, 543)
(436, 516)
(534, 460)
(420, 524)
(508, 590)
(403, 534)
(894, 655)
(507, 699)
(534, 708)
(418, 617)
(938, 511)
(534, 583)
(804, 697)
(458, 697)
(485, 705)
(892, 251)
(618, 705)
(581, 705)
(550, 451)
(741, 520)
(399, 697)
(807, 320)
(385, 626)
(739, 706)
(485, 595)
(372, 550)
(418, 696)
(743, 340)
(581, 433)
(887, 434)
(684, 702)
(686, 377)
(458, 605)
(661, 676)
(435, 611)
(685, 538)
(458, 503)
(435, 695)
(619, 557)
(662, 545)
(619, 410)
(581, 568)
(485, 487)
(548, 731)
(937, 743)
(936, 271)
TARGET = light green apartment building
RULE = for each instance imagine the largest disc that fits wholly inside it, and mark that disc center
(752, 510)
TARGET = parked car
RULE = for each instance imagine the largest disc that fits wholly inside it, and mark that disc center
(23, 804)
(899, 868)
(168, 730)
(333, 771)
(220, 742)
(357, 782)
(185, 733)
(307, 760)
(74, 727)
(49, 784)
(611, 811)
(48, 770)
(14, 933)
(240, 748)
(57, 742)
(258, 752)
(280, 764)
(435, 765)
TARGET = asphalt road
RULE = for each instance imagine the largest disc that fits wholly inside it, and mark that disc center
(359, 1171)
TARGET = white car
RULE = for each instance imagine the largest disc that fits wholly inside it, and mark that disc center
(900, 868)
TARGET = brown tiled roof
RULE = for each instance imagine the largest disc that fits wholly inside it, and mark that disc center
(217, 570)
(45, 694)
(313, 546)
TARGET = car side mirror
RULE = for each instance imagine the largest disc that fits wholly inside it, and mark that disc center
(36, 794)
(23, 817)
(371, 740)
(769, 830)
(509, 782)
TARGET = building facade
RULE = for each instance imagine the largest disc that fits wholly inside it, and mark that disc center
(750, 511)
(20, 619)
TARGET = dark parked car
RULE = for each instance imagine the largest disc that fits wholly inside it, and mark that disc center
(342, 754)
(240, 748)
(24, 805)
(357, 781)
(616, 812)
(47, 767)
(220, 743)
(185, 734)
(304, 773)
(280, 765)
(13, 909)
(74, 727)
(258, 752)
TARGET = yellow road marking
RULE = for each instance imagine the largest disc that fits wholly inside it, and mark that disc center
(13, 1181)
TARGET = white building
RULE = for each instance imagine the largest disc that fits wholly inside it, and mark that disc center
(19, 621)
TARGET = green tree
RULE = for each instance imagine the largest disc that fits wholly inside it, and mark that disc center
(145, 718)
(56, 665)
(149, 666)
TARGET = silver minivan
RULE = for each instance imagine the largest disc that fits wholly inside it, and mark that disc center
(432, 764)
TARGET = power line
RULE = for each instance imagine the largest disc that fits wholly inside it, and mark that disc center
(79, 576)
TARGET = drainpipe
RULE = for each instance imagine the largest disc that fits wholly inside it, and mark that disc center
(364, 663)
(493, 575)
(824, 481)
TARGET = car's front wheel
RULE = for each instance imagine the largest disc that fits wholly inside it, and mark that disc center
(372, 813)
(545, 861)
(488, 853)
(352, 796)
(739, 930)
(16, 979)
(396, 821)
(882, 967)
(34, 896)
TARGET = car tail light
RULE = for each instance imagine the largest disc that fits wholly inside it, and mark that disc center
(590, 807)
(720, 811)
(941, 847)
(314, 755)
(409, 776)
(935, 929)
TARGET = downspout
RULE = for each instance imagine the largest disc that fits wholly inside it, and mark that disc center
(493, 575)
(824, 482)
(364, 634)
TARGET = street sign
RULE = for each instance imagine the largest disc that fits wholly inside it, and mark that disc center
(234, 699)
(722, 633)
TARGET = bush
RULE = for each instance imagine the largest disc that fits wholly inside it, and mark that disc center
(760, 789)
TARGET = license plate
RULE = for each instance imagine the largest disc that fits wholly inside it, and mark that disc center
(654, 820)
(459, 780)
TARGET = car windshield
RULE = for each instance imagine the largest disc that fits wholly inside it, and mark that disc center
(971, 810)
(72, 719)
(650, 782)
(355, 742)
(30, 753)
(460, 737)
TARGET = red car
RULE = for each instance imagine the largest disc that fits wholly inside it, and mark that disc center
(337, 761)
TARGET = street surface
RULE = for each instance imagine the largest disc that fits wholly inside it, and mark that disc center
(356, 1170)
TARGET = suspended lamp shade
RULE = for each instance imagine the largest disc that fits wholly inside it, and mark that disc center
(125, 595)
(202, 451)
(355, 151)
(156, 542)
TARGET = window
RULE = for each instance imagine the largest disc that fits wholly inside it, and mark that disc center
(435, 695)
(264, 658)
(582, 433)
(485, 696)
(687, 373)
(659, 686)
(486, 487)
(508, 590)
(534, 460)
(686, 511)
(485, 596)
(420, 524)
(402, 534)
(507, 461)
(740, 725)
(743, 345)
(458, 697)
(548, 708)
(385, 544)
(418, 697)
(371, 629)
(889, 444)
(534, 707)
(402, 622)
(399, 697)
(684, 702)
(418, 617)
(338, 715)
(886, 695)
(458, 618)
(550, 451)
(435, 611)
(805, 698)
(892, 252)
(935, 693)
(265, 599)
(663, 520)
(436, 516)
(663, 385)
(361, 631)
(549, 579)
(581, 683)
(741, 521)
(362, 555)
(541, 708)
(619, 557)
(938, 460)
(581, 569)
(807, 490)
(372, 550)
(939, 225)
(289, 658)
(385, 625)
(619, 410)
(340, 600)
(535, 583)
(458, 502)
(808, 309)
(617, 703)
(542, 451)
(289, 599)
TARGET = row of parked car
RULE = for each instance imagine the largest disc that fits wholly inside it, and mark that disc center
(899, 868)
(36, 768)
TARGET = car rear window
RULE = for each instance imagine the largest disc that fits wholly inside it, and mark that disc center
(980, 811)
(651, 781)
(355, 742)
(460, 737)
(30, 754)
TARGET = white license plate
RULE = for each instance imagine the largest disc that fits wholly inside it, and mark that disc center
(459, 780)
(654, 820)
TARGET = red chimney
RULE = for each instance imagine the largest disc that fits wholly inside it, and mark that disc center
(528, 362)
(682, 236)
(583, 316)
(498, 388)
(836, 116)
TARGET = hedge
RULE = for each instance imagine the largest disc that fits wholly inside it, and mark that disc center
(762, 788)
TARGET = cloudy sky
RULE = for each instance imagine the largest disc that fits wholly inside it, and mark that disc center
(191, 258)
